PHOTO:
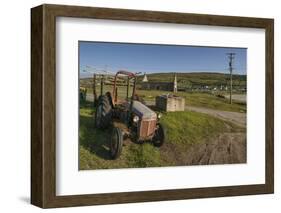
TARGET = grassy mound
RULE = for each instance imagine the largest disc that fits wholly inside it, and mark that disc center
(193, 127)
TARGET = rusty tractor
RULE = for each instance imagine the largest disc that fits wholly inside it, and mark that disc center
(128, 118)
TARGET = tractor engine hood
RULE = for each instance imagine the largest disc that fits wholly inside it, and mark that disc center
(143, 111)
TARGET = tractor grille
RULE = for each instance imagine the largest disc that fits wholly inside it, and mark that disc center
(146, 129)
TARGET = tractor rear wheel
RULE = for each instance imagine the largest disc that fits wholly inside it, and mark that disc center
(159, 136)
(116, 143)
(103, 112)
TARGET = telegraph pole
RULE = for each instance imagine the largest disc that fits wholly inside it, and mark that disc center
(175, 90)
(231, 58)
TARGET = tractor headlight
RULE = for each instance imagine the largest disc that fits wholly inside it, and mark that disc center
(159, 116)
(136, 119)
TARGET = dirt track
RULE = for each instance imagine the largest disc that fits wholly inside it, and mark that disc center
(224, 149)
(234, 117)
(227, 148)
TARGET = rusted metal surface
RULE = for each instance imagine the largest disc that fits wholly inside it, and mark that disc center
(122, 72)
(146, 128)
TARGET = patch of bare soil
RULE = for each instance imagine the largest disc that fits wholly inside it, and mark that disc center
(227, 148)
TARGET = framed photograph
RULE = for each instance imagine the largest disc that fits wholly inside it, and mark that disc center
(136, 106)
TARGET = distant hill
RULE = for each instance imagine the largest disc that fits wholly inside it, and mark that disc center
(200, 78)
(186, 80)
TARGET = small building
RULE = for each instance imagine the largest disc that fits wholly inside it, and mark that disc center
(165, 86)
(170, 103)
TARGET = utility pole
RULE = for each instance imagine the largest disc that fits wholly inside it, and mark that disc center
(175, 89)
(231, 58)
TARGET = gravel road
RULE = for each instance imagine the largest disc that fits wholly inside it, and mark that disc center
(234, 117)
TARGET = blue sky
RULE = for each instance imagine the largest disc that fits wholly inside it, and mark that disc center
(158, 58)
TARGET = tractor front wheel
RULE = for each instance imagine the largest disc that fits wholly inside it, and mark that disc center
(159, 136)
(116, 143)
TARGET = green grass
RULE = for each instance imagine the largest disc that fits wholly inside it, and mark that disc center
(182, 130)
(193, 127)
(208, 100)
(199, 99)
(144, 155)
(94, 147)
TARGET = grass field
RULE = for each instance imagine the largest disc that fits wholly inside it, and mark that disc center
(183, 129)
(199, 99)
